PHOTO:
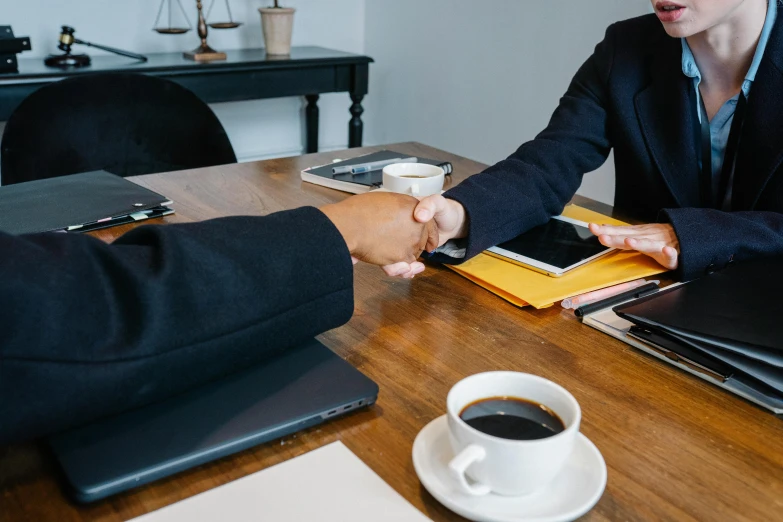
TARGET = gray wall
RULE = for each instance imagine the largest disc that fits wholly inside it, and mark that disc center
(475, 78)
(480, 78)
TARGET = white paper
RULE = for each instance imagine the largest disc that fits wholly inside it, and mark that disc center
(329, 484)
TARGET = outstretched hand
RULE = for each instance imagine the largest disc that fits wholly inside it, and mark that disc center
(657, 240)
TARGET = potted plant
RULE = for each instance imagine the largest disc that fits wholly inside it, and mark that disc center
(277, 23)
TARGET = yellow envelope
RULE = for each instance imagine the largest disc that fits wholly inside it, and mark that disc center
(521, 286)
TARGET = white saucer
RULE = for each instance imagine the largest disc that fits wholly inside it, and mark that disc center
(572, 494)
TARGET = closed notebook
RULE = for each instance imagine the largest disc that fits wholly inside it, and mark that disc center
(361, 183)
(521, 286)
(78, 202)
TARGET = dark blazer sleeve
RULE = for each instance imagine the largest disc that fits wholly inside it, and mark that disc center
(90, 329)
(540, 178)
(711, 239)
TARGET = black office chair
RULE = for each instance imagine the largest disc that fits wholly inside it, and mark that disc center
(126, 124)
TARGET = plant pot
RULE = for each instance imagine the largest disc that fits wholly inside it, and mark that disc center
(278, 24)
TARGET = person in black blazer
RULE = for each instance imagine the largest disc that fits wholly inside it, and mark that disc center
(90, 329)
(633, 96)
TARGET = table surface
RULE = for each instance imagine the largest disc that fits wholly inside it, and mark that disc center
(304, 56)
(676, 447)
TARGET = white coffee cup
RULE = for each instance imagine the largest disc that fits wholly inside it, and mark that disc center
(428, 179)
(504, 466)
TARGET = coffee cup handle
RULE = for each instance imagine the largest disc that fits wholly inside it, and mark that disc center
(415, 190)
(460, 463)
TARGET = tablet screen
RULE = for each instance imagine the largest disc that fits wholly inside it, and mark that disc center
(557, 243)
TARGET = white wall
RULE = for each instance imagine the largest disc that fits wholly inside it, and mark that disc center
(480, 78)
(258, 128)
(474, 78)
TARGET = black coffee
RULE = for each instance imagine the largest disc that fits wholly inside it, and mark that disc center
(512, 418)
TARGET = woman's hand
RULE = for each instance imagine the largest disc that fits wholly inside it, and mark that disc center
(448, 215)
(658, 240)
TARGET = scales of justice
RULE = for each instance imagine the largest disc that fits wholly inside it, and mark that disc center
(203, 53)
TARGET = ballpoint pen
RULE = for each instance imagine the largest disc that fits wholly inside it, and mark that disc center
(635, 293)
(361, 168)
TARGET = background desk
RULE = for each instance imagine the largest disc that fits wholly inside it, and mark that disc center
(677, 448)
(246, 74)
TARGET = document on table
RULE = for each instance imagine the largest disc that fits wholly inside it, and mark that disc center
(327, 484)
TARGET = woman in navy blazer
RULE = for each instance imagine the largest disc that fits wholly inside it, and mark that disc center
(633, 95)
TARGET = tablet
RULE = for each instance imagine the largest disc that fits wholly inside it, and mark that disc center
(553, 248)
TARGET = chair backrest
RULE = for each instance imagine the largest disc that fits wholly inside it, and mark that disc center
(127, 124)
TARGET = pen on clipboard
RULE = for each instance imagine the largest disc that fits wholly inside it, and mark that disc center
(361, 168)
(636, 293)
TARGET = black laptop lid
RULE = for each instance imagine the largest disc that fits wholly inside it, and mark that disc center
(297, 389)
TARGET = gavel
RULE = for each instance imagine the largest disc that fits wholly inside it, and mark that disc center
(66, 42)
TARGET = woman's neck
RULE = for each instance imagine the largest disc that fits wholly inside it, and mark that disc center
(724, 52)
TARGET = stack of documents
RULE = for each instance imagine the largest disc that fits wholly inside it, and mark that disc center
(608, 322)
(522, 287)
(726, 326)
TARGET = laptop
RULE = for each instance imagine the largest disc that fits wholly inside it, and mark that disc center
(299, 388)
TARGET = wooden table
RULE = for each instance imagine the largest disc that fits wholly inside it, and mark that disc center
(677, 448)
(246, 74)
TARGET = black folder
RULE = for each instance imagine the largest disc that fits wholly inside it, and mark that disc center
(730, 322)
(77, 203)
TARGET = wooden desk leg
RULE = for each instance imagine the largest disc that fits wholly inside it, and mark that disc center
(356, 126)
(311, 118)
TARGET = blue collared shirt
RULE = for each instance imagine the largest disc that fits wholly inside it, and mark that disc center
(720, 125)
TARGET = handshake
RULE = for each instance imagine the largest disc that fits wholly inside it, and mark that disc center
(392, 230)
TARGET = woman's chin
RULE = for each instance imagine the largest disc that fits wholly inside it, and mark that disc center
(681, 29)
(676, 31)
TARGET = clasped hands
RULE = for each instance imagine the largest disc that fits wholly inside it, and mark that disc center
(392, 230)
(379, 228)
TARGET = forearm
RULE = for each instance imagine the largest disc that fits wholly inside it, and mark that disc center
(92, 328)
(497, 205)
(710, 239)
